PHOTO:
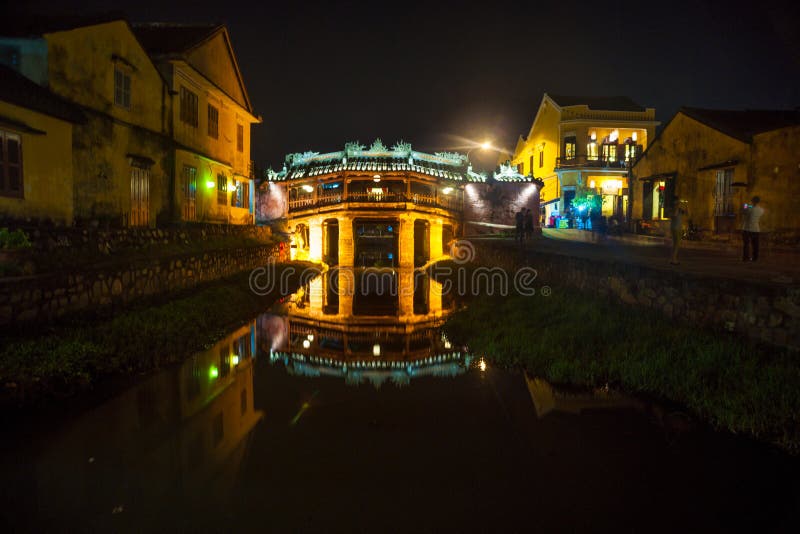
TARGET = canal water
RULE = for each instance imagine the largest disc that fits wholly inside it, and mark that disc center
(323, 417)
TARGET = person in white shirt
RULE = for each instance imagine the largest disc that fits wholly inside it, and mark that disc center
(750, 229)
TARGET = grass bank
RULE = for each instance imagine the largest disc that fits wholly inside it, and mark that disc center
(64, 359)
(572, 338)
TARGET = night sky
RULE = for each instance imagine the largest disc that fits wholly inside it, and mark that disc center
(321, 74)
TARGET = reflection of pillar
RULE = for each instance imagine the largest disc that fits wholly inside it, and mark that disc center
(406, 246)
(434, 296)
(405, 290)
(346, 286)
(315, 239)
(435, 239)
(315, 295)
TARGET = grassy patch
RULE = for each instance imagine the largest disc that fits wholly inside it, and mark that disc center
(574, 339)
(71, 357)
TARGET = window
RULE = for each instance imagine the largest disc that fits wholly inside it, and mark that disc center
(541, 159)
(723, 195)
(610, 153)
(222, 189)
(213, 122)
(122, 89)
(521, 168)
(530, 163)
(240, 138)
(632, 151)
(569, 147)
(189, 187)
(591, 150)
(188, 107)
(240, 196)
(10, 165)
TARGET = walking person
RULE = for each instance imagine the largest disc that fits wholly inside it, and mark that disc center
(520, 221)
(750, 229)
(528, 225)
(676, 228)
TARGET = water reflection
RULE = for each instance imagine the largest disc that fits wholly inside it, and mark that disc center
(364, 325)
(178, 434)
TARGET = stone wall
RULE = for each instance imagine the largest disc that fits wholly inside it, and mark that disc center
(55, 295)
(497, 203)
(767, 312)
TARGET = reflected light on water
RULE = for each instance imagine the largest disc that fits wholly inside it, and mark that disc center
(482, 365)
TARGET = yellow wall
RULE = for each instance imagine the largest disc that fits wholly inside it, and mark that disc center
(776, 178)
(544, 130)
(210, 74)
(46, 167)
(685, 146)
(81, 68)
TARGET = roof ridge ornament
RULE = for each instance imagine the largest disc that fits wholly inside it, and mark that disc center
(401, 148)
(378, 146)
(458, 158)
(353, 146)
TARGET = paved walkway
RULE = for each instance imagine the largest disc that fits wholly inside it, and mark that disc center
(773, 268)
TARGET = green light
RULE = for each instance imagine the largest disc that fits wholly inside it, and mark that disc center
(210, 184)
(213, 372)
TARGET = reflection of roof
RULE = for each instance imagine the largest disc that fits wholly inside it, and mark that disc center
(605, 103)
(18, 90)
(168, 38)
(375, 371)
(744, 124)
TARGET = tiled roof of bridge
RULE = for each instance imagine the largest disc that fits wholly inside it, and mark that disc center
(451, 166)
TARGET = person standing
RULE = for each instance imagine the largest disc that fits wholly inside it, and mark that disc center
(750, 229)
(528, 224)
(676, 228)
(520, 222)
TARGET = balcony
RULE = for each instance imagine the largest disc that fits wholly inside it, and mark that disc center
(587, 162)
(448, 202)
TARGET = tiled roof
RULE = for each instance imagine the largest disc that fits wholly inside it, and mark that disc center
(170, 39)
(378, 165)
(744, 124)
(604, 103)
(18, 90)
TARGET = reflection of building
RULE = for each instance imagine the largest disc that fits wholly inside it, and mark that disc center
(715, 161)
(391, 336)
(181, 433)
(547, 398)
(584, 145)
(381, 207)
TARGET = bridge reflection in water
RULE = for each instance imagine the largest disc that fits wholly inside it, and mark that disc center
(365, 325)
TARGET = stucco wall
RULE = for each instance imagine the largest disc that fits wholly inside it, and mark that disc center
(776, 179)
(46, 168)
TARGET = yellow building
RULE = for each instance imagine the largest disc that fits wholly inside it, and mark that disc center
(580, 145)
(34, 121)
(211, 118)
(164, 131)
(715, 161)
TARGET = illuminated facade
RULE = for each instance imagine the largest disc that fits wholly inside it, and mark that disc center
(211, 118)
(715, 161)
(378, 206)
(584, 145)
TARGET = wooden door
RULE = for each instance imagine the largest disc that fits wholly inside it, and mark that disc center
(189, 187)
(140, 197)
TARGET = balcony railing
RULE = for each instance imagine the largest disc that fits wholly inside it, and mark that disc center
(448, 202)
(598, 162)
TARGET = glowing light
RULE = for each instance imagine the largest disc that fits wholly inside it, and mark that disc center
(234, 360)
(213, 372)
(634, 136)
(376, 178)
(593, 135)
(447, 344)
(613, 136)
(307, 188)
(447, 190)
(210, 184)
(486, 145)
(376, 350)
(482, 365)
(306, 343)
(310, 337)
